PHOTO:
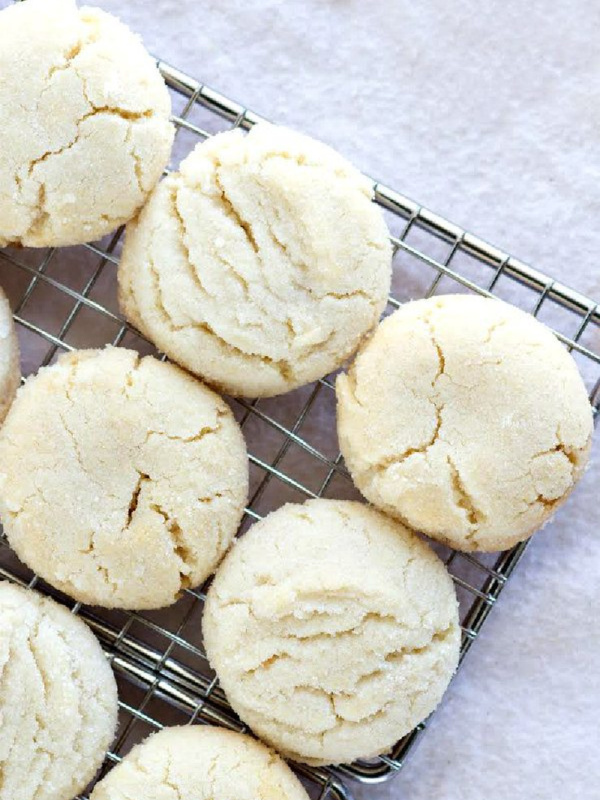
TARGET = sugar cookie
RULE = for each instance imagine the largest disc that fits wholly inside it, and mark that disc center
(333, 630)
(122, 480)
(260, 265)
(58, 699)
(466, 419)
(197, 762)
(84, 115)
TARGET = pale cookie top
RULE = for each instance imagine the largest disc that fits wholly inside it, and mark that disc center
(197, 762)
(58, 699)
(333, 630)
(465, 418)
(122, 480)
(84, 115)
(261, 264)
(10, 373)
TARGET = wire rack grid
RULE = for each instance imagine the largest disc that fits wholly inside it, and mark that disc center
(66, 298)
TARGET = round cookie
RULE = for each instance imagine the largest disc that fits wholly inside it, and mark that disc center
(10, 372)
(333, 630)
(261, 264)
(58, 699)
(122, 480)
(84, 115)
(466, 419)
(197, 762)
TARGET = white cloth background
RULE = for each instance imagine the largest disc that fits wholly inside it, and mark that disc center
(489, 114)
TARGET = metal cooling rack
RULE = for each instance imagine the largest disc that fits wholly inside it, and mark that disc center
(66, 298)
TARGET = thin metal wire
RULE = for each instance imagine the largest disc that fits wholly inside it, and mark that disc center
(169, 664)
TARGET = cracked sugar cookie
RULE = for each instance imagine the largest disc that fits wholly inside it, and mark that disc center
(10, 371)
(58, 699)
(84, 115)
(261, 264)
(197, 762)
(122, 480)
(333, 630)
(465, 418)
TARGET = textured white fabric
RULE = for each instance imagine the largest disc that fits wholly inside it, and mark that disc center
(487, 113)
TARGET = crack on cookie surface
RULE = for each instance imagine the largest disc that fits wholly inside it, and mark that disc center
(282, 367)
(41, 215)
(135, 496)
(464, 500)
